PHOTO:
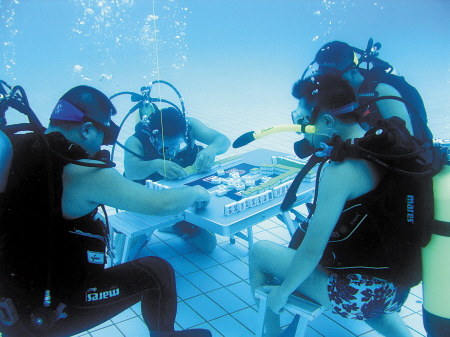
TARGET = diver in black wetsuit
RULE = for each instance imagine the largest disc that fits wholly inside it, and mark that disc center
(367, 289)
(52, 241)
(163, 146)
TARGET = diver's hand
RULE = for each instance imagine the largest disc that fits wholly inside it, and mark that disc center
(276, 299)
(205, 160)
(203, 197)
(171, 170)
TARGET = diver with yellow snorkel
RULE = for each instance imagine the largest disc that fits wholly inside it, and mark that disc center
(406, 216)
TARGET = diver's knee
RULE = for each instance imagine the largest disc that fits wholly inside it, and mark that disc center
(158, 267)
(258, 249)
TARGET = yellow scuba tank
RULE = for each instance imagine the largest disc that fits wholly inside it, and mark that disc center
(436, 259)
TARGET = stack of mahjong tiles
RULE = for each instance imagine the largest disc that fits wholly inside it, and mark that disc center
(227, 161)
(155, 186)
(284, 169)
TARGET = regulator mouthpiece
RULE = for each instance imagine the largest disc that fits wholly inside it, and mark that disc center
(249, 137)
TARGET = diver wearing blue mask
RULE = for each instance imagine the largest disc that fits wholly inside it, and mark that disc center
(162, 146)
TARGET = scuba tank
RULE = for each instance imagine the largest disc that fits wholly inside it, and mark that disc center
(436, 257)
(5, 160)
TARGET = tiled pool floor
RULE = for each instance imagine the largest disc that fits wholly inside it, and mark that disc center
(214, 292)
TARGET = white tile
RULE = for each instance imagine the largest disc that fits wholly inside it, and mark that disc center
(137, 308)
(203, 281)
(111, 331)
(417, 291)
(266, 235)
(247, 317)
(413, 303)
(83, 334)
(238, 267)
(356, 327)
(327, 327)
(205, 307)
(182, 266)
(222, 275)
(242, 290)
(238, 251)
(101, 326)
(164, 236)
(230, 327)
(200, 259)
(124, 315)
(267, 224)
(415, 322)
(281, 232)
(180, 245)
(162, 250)
(221, 255)
(227, 300)
(134, 327)
(185, 289)
(187, 317)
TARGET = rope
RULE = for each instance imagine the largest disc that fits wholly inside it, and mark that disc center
(159, 89)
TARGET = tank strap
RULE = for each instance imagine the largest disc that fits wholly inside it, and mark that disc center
(441, 228)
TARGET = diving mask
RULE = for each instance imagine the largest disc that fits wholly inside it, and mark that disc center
(169, 147)
(65, 111)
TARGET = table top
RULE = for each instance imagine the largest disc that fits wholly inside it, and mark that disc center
(212, 217)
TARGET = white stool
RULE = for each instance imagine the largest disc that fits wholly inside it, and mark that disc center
(297, 304)
(133, 225)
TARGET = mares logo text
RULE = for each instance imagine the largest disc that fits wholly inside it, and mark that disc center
(93, 295)
(410, 208)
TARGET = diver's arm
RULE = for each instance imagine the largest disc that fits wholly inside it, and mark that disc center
(137, 169)
(217, 144)
(389, 107)
(86, 187)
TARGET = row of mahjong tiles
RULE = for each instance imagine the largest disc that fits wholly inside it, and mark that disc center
(286, 170)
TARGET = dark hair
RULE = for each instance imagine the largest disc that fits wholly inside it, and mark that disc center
(91, 101)
(326, 92)
(336, 52)
(173, 122)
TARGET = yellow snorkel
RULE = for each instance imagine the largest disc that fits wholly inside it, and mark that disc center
(249, 137)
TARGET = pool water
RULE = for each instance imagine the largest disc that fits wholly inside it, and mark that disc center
(234, 62)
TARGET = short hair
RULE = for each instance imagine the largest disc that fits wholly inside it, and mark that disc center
(326, 92)
(92, 102)
(336, 52)
(172, 122)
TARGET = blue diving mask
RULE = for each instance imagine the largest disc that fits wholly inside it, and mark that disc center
(169, 147)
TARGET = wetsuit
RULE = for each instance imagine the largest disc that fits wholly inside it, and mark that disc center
(198, 237)
(36, 241)
(184, 158)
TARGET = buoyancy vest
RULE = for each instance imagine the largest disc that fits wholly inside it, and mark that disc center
(35, 239)
(184, 158)
(367, 92)
(382, 232)
(367, 240)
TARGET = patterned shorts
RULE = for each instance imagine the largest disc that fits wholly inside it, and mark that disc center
(364, 297)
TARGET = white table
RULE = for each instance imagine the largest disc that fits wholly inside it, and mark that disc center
(212, 217)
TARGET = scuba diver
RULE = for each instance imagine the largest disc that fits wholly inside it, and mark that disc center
(164, 143)
(375, 79)
(361, 253)
(54, 245)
